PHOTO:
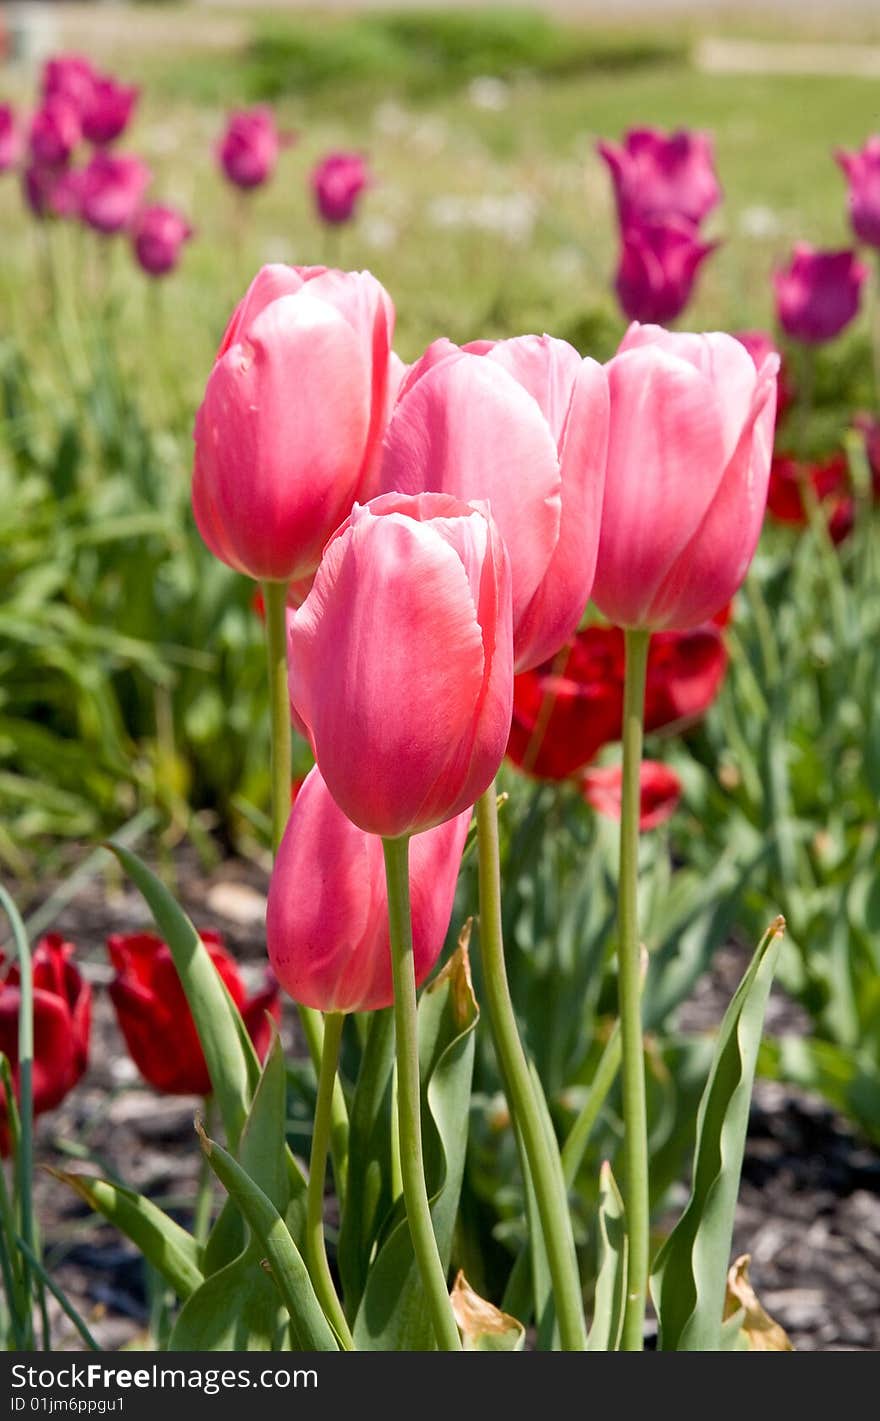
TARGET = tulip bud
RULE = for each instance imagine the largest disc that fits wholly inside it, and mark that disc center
(62, 1021)
(862, 171)
(290, 428)
(337, 183)
(112, 188)
(400, 660)
(154, 1015)
(158, 235)
(249, 149)
(327, 917)
(818, 293)
(55, 132)
(71, 76)
(688, 465)
(107, 110)
(659, 261)
(523, 425)
(658, 175)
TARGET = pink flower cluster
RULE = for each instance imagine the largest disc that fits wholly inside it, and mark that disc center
(665, 186)
(80, 105)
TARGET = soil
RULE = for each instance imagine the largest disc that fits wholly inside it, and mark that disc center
(809, 1210)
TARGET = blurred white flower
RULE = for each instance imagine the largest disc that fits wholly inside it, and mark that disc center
(378, 232)
(510, 215)
(759, 222)
(487, 92)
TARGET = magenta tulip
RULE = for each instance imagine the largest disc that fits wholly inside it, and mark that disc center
(71, 76)
(818, 293)
(659, 261)
(53, 192)
(401, 661)
(522, 424)
(158, 235)
(11, 139)
(658, 175)
(337, 183)
(327, 916)
(248, 151)
(862, 171)
(55, 132)
(108, 109)
(290, 429)
(688, 466)
(112, 188)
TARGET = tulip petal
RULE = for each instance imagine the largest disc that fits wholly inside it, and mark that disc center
(547, 368)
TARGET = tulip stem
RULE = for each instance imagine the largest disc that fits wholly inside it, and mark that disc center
(275, 602)
(635, 1121)
(316, 1251)
(415, 1194)
(543, 1162)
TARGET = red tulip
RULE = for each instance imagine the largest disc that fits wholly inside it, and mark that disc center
(70, 76)
(11, 139)
(62, 1019)
(53, 192)
(112, 188)
(660, 792)
(327, 919)
(818, 293)
(248, 151)
(401, 661)
(522, 424)
(686, 486)
(337, 183)
(659, 175)
(158, 235)
(831, 487)
(567, 709)
(759, 345)
(862, 171)
(155, 1018)
(55, 131)
(659, 261)
(290, 429)
(107, 109)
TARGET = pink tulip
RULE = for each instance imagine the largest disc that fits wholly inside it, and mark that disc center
(11, 140)
(688, 465)
(107, 110)
(71, 76)
(248, 151)
(862, 171)
(659, 261)
(401, 661)
(158, 235)
(55, 132)
(327, 916)
(289, 431)
(659, 792)
(113, 186)
(522, 424)
(658, 175)
(337, 183)
(53, 192)
(817, 294)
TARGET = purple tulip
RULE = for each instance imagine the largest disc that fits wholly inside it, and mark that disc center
(863, 175)
(659, 262)
(113, 186)
(817, 294)
(55, 131)
(108, 110)
(158, 235)
(658, 175)
(69, 76)
(248, 151)
(337, 183)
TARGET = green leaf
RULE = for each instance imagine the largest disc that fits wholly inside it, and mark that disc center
(164, 1244)
(690, 1272)
(229, 1054)
(276, 1258)
(610, 1300)
(392, 1315)
(369, 1164)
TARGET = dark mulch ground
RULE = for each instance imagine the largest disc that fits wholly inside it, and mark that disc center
(809, 1210)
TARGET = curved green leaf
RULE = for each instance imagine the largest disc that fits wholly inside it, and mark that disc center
(610, 1300)
(229, 1054)
(393, 1315)
(169, 1248)
(369, 1165)
(690, 1273)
